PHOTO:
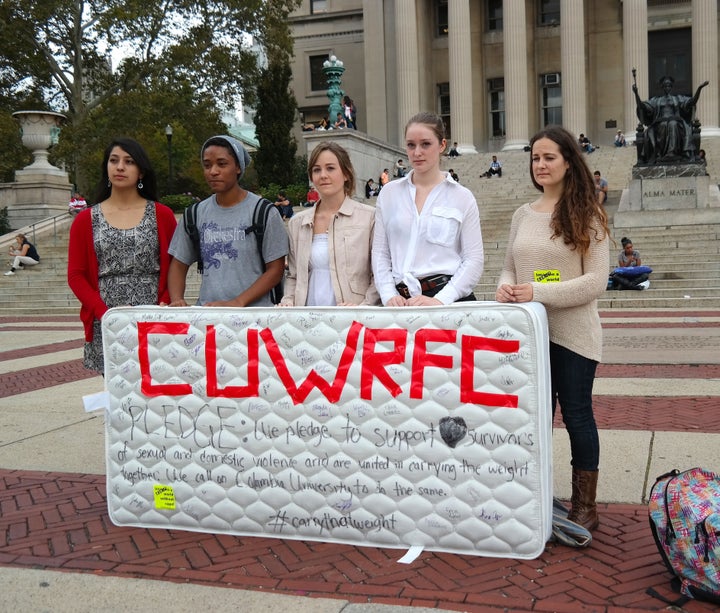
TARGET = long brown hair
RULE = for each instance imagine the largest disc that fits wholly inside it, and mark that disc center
(577, 213)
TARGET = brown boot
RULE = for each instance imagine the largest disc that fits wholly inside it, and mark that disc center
(584, 509)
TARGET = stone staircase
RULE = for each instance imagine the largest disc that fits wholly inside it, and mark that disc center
(43, 289)
(685, 259)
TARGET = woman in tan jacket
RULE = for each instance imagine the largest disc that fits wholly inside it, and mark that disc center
(330, 244)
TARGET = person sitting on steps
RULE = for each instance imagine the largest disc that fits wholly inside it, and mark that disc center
(628, 258)
(24, 254)
(601, 188)
(495, 169)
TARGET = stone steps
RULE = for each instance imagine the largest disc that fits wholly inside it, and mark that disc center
(685, 259)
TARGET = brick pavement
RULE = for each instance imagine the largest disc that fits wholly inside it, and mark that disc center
(55, 520)
(59, 521)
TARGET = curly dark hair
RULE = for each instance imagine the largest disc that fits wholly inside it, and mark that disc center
(578, 212)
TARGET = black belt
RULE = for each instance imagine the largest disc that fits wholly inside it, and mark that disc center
(429, 285)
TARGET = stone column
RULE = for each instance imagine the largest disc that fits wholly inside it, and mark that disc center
(572, 52)
(408, 69)
(515, 67)
(705, 63)
(376, 111)
(635, 55)
(461, 103)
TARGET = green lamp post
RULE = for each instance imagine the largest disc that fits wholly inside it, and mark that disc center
(333, 69)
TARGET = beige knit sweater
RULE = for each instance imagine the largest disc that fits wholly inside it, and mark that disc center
(571, 302)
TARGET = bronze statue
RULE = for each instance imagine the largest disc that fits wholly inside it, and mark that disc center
(672, 134)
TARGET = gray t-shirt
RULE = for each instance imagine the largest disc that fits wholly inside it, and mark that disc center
(231, 262)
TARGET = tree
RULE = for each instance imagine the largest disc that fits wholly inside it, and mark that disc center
(63, 50)
(12, 154)
(274, 118)
(142, 114)
(276, 110)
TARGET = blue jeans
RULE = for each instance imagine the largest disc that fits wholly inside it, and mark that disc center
(572, 377)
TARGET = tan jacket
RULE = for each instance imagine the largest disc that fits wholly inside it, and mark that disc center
(349, 243)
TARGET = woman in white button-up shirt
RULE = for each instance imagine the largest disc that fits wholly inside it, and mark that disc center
(427, 248)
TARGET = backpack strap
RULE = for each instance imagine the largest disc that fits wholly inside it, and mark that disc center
(190, 224)
(677, 603)
(260, 217)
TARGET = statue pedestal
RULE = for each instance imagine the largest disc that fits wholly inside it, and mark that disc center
(669, 195)
(34, 197)
(40, 190)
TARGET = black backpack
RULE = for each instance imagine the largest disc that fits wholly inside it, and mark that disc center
(260, 216)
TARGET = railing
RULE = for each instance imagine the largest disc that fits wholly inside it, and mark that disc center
(43, 226)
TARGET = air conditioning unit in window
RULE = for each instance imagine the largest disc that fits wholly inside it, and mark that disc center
(552, 78)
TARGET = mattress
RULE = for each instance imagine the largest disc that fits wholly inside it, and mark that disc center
(424, 427)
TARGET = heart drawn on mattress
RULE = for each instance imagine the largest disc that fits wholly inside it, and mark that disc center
(452, 430)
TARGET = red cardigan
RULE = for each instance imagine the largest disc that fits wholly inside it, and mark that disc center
(83, 271)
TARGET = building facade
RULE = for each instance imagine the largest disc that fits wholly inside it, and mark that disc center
(499, 70)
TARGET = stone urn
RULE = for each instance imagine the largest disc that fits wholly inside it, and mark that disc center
(40, 190)
(37, 130)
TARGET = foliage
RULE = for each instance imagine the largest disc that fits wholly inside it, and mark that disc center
(55, 53)
(142, 114)
(4, 221)
(177, 202)
(250, 180)
(60, 47)
(300, 171)
(13, 155)
(295, 192)
(274, 119)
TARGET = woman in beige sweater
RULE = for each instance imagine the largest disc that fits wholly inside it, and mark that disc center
(558, 254)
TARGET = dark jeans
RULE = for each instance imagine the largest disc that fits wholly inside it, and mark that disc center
(623, 282)
(572, 378)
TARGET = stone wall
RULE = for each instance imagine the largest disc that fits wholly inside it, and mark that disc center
(369, 155)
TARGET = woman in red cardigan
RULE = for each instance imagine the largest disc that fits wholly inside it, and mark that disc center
(118, 251)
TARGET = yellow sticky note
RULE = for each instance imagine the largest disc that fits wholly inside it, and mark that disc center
(164, 497)
(546, 276)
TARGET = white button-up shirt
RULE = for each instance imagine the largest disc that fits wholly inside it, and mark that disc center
(443, 239)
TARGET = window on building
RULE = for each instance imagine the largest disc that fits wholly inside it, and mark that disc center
(444, 105)
(495, 15)
(441, 15)
(496, 89)
(551, 99)
(318, 6)
(318, 80)
(549, 12)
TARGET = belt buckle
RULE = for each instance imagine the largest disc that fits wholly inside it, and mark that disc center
(433, 282)
(403, 290)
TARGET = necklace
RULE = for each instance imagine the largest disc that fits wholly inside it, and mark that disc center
(323, 217)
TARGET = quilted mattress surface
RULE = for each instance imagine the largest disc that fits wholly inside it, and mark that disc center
(389, 427)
